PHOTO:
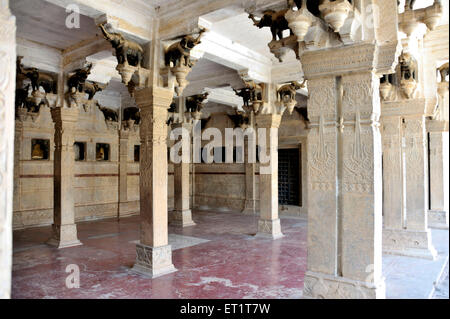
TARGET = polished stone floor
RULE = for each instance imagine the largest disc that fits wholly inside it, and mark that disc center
(217, 259)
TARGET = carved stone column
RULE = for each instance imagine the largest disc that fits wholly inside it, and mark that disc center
(182, 215)
(438, 214)
(392, 175)
(415, 238)
(344, 175)
(64, 227)
(7, 89)
(250, 182)
(123, 171)
(154, 254)
(269, 222)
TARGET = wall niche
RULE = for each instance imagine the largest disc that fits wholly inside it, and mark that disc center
(102, 152)
(80, 151)
(137, 153)
(40, 150)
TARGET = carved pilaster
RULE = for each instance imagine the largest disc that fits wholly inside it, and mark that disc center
(123, 170)
(153, 252)
(182, 214)
(64, 227)
(269, 223)
(250, 179)
(414, 239)
(438, 215)
(7, 90)
(344, 174)
(392, 172)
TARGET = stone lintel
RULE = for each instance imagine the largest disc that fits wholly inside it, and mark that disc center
(408, 243)
(421, 106)
(359, 57)
(323, 286)
(435, 126)
(153, 262)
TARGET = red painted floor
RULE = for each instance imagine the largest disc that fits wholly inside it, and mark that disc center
(233, 264)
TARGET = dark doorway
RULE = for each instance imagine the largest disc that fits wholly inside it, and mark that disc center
(289, 177)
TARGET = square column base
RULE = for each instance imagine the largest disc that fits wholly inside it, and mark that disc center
(181, 218)
(270, 229)
(408, 243)
(250, 208)
(64, 236)
(323, 286)
(153, 262)
(438, 219)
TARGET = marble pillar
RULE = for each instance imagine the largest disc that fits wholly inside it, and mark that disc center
(64, 227)
(269, 225)
(7, 91)
(438, 213)
(153, 253)
(412, 237)
(123, 171)
(392, 174)
(250, 181)
(181, 216)
(344, 176)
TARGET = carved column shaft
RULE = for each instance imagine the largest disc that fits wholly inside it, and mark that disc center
(64, 227)
(182, 215)
(392, 173)
(7, 89)
(416, 172)
(269, 223)
(361, 188)
(438, 215)
(123, 171)
(344, 191)
(154, 254)
(250, 182)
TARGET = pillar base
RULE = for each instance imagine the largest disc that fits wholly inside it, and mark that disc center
(323, 286)
(64, 236)
(438, 219)
(153, 262)
(270, 229)
(250, 208)
(408, 243)
(181, 218)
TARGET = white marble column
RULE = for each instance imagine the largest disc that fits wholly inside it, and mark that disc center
(7, 89)
(392, 174)
(123, 171)
(345, 187)
(154, 254)
(415, 238)
(438, 214)
(181, 216)
(269, 225)
(250, 181)
(64, 227)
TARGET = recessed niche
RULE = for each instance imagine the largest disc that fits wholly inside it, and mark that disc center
(137, 153)
(40, 150)
(102, 152)
(80, 151)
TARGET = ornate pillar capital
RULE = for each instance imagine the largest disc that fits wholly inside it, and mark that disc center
(154, 96)
(268, 120)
